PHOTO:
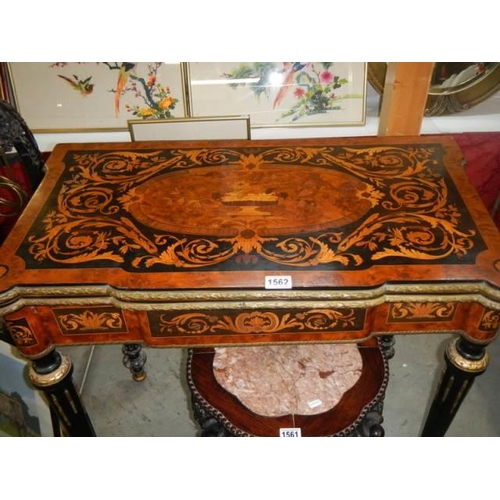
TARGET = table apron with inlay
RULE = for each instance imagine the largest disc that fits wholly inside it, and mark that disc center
(178, 245)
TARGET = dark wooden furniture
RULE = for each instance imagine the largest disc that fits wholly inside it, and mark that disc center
(21, 166)
(221, 413)
(172, 244)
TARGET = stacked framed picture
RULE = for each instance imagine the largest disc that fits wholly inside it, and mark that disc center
(99, 96)
(23, 411)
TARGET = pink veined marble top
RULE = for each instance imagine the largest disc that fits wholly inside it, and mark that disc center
(288, 379)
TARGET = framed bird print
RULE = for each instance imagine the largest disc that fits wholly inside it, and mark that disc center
(278, 94)
(93, 96)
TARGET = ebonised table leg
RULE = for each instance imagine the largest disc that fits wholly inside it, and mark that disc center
(134, 358)
(52, 374)
(464, 362)
(387, 344)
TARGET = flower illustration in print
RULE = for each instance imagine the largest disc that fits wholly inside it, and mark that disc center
(314, 86)
(154, 99)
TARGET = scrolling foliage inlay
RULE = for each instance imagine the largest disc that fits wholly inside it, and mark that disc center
(21, 332)
(335, 206)
(421, 311)
(490, 320)
(255, 322)
(88, 320)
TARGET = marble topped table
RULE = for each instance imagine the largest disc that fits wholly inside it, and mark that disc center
(306, 390)
(225, 243)
(303, 379)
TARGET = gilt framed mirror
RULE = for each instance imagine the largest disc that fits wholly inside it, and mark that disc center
(454, 87)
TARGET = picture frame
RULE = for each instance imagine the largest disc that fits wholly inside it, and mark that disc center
(276, 94)
(6, 92)
(454, 87)
(3, 89)
(23, 411)
(187, 129)
(96, 96)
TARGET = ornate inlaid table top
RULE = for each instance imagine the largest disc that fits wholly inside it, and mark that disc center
(172, 243)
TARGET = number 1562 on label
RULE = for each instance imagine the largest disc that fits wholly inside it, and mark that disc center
(278, 282)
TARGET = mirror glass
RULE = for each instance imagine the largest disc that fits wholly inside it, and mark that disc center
(454, 87)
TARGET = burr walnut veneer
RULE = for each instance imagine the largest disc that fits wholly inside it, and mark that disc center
(192, 244)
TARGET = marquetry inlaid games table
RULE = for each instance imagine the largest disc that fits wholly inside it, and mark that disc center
(201, 244)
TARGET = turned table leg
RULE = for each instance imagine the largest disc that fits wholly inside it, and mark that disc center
(464, 362)
(134, 358)
(387, 344)
(52, 374)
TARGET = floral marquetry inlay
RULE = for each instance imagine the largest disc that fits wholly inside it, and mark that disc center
(222, 322)
(186, 208)
(490, 320)
(90, 321)
(21, 332)
(421, 311)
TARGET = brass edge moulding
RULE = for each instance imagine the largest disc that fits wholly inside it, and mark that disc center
(52, 378)
(245, 304)
(416, 332)
(468, 365)
(209, 299)
(418, 292)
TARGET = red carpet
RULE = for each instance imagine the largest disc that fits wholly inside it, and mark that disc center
(482, 154)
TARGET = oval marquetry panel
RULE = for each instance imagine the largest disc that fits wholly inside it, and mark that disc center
(275, 200)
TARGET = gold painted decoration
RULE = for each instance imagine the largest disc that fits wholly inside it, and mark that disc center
(467, 365)
(421, 311)
(43, 380)
(345, 207)
(255, 322)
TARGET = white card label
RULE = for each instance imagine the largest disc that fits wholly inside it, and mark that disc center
(290, 432)
(278, 282)
(315, 403)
